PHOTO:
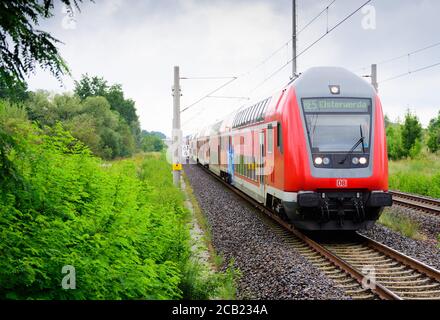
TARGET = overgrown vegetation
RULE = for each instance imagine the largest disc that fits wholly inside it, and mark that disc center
(413, 151)
(97, 114)
(420, 176)
(206, 274)
(401, 224)
(122, 224)
(404, 140)
(152, 141)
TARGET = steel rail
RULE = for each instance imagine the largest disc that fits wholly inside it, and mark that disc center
(417, 202)
(339, 263)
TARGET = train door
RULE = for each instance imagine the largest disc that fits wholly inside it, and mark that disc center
(230, 159)
(262, 155)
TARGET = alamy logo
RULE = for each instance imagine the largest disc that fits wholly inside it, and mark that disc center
(369, 280)
(69, 20)
(369, 19)
(69, 280)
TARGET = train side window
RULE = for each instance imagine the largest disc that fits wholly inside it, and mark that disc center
(254, 113)
(260, 112)
(248, 114)
(279, 137)
(251, 114)
(269, 139)
(243, 117)
(263, 109)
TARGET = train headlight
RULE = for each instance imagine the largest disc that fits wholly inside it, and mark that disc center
(355, 160)
(362, 160)
(326, 161)
(335, 89)
(318, 161)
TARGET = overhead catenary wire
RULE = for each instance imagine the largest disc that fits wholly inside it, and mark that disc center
(404, 55)
(232, 79)
(316, 17)
(411, 72)
(258, 65)
(310, 46)
(285, 44)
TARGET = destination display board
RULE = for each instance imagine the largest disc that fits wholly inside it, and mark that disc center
(336, 105)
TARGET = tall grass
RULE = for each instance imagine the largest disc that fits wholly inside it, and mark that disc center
(205, 280)
(420, 176)
(401, 224)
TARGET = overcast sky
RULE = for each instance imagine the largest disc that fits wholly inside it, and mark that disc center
(137, 42)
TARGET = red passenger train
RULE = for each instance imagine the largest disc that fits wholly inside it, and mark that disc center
(315, 152)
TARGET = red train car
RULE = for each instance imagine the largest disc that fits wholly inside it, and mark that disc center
(315, 151)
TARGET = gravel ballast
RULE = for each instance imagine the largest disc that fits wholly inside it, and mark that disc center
(424, 251)
(270, 268)
(429, 224)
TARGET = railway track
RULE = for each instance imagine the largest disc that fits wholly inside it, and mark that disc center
(416, 202)
(361, 267)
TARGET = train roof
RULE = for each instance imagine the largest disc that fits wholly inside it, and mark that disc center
(314, 82)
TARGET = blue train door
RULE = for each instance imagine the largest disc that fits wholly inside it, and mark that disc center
(230, 159)
(261, 164)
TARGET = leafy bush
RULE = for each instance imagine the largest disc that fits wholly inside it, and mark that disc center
(434, 134)
(91, 120)
(152, 142)
(119, 224)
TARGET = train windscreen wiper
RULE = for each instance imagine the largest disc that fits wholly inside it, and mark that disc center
(361, 140)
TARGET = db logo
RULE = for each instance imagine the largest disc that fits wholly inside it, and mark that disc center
(341, 183)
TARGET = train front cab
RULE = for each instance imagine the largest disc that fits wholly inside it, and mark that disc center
(344, 180)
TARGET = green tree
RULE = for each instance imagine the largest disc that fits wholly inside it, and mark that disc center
(91, 87)
(152, 142)
(17, 92)
(411, 132)
(394, 141)
(434, 134)
(23, 46)
(95, 86)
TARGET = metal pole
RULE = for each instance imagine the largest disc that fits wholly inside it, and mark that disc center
(177, 134)
(374, 77)
(294, 71)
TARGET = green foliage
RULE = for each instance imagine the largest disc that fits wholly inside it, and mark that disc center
(420, 176)
(411, 132)
(154, 133)
(416, 149)
(16, 91)
(152, 142)
(201, 284)
(119, 224)
(433, 142)
(92, 121)
(394, 142)
(23, 45)
(96, 86)
(404, 140)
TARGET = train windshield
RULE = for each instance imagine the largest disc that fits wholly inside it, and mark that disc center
(337, 124)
